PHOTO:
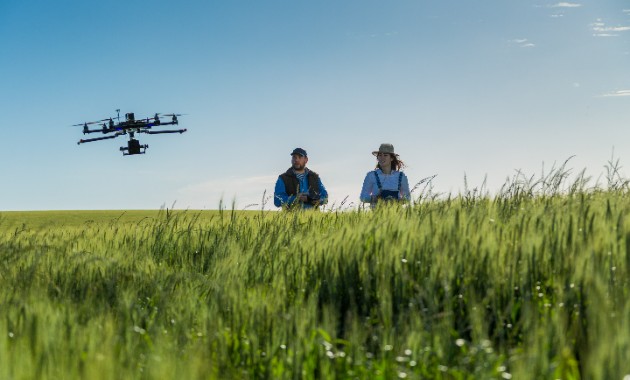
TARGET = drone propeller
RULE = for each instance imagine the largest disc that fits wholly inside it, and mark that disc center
(84, 124)
(90, 122)
(156, 117)
(173, 117)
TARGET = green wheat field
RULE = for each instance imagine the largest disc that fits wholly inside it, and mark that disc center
(531, 283)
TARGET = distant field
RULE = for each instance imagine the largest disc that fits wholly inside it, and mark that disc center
(519, 286)
(38, 219)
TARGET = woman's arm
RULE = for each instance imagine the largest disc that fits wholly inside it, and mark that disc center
(404, 187)
(369, 189)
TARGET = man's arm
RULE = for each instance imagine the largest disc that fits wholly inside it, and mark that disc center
(280, 196)
(323, 194)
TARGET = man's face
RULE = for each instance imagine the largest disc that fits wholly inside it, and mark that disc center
(298, 161)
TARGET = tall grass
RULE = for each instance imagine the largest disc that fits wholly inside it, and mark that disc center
(530, 283)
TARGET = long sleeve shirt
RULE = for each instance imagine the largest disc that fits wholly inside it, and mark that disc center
(390, 181)
(281, 198)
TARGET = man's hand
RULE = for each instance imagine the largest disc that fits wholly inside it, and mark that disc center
(303, 198)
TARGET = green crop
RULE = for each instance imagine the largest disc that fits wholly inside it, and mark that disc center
(525, 284)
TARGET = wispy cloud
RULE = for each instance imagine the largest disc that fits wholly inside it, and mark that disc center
(245, 191)
(617, 94)
(565, 5)
(612, 29)
(600, 29)
(522, 42)
(559, 8)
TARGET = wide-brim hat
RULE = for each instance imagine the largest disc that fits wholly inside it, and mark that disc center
(385, 148)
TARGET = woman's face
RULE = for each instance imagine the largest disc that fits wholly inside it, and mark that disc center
(384, 160)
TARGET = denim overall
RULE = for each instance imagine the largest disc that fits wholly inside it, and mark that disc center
(388, 195)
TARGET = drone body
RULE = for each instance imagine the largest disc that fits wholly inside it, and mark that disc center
(130, 127)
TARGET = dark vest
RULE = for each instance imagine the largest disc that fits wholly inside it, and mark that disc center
(291, 184)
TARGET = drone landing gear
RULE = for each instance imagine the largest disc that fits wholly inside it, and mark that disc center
(133, 147)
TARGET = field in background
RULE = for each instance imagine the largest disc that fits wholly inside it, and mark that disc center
(520, 285)
(45, 219)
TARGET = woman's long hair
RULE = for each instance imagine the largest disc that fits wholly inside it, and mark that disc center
(397, 163)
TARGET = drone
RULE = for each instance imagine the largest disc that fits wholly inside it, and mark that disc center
(130, 127)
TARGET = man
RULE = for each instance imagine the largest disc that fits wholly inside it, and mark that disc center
(299, 187)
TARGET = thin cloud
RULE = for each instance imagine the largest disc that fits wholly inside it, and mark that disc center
(523, 42)
(245, 191)
(612, 29)
(617, 94)
(560, 8)
(600, 29)
(565, 5)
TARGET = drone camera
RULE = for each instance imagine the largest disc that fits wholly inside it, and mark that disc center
(134, 147)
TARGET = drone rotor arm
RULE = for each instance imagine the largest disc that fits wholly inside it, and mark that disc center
(105, 130)
(169, 122)
(99, 138)
(169, 131)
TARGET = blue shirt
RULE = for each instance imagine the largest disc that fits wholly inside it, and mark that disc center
(281, 198)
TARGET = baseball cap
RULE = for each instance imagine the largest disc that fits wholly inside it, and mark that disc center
(299, 151)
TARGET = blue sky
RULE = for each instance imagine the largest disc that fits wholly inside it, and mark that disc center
(475, 88)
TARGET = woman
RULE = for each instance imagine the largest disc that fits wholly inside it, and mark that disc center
(387, 182)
